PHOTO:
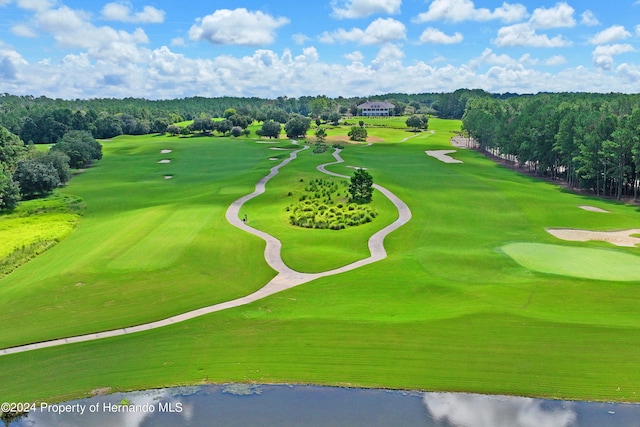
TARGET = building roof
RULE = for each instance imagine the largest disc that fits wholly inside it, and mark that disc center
(376, 104)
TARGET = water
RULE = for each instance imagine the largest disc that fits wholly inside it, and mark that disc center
(281, 405)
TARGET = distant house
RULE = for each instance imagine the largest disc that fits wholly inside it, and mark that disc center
(375, 109)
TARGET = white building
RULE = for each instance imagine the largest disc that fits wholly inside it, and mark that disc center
(375, 109)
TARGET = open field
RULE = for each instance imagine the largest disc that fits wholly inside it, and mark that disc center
(448, 309)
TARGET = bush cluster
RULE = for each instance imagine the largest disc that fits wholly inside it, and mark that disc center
(323, 205)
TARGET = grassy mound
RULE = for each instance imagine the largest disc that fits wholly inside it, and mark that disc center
(325, 204)
(587, 263)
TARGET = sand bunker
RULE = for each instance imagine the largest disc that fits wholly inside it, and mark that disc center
(593, 209)
(273, 158)
(165, 161)
(357, 167)
(279, 149)
(168, 176)
(443, 156)
(618, 238)
(165, 151)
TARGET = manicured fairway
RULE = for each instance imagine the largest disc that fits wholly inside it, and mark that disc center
(448, 309)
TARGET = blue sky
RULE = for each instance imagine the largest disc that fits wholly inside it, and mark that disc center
(167, 49)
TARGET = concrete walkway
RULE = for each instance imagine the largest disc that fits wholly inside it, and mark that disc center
(285, 278)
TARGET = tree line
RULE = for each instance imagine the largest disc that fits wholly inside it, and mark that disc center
(26, 173)
(590, 140)
(42, 120)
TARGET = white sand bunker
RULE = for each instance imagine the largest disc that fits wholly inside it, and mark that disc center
(273, 158)
(165, 151)
(357, 167)
(593, 209)
(618, 238)
(443, 156)
(168, 176)
(165, 161)
(279, 149)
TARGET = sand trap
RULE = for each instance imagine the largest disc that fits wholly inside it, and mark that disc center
(279, 149)
(618, 238)
(168, 176)
(165, 151)
(593, 209)
(443, 156)
(273, 158)
(357, 167)
(165, 161)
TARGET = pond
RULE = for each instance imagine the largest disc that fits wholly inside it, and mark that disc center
(282, 405)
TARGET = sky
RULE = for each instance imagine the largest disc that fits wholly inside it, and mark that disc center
(165, 49)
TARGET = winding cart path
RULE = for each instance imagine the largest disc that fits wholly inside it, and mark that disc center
(285, 278)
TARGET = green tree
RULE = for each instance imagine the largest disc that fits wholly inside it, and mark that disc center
(270, 129)
(81, 148)
(417, 122)
(321, 135)
(35, 178)
(57, 159)
(297, 126)
(357, 133)
(9, 191)
(12, 149)
(361, 186)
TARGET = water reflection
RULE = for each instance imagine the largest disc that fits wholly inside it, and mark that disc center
(465, 410)
(273, 405)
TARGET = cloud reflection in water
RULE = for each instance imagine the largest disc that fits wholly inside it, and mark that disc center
(470, 410)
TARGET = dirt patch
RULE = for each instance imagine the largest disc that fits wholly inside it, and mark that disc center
(461, 142)
(618, 238)
(443, 156)
(101, 391)
(593, 209)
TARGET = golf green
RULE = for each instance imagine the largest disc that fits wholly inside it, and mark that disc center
(588, 263)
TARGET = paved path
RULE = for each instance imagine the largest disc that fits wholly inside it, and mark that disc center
(286, 277)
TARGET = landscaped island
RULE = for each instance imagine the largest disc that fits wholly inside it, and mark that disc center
(451, 307)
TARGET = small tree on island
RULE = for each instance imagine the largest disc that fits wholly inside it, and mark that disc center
(361, 187)
(357, 133)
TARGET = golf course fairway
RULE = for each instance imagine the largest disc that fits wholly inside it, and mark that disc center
(447, 310)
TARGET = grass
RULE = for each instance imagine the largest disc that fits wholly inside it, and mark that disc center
(588, 263)
(446, 310)
(35, 226)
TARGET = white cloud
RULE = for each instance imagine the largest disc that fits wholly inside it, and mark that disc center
(556, 60)
(465, 10)
(525, 35)
(300, 38)
(72, 30)
(611, 34)
(559, 16)
(237, 27)
(123, 12)
(638, 30)
(378, 32)
(603, 55)
(23, 30)
(355, 56)
(36, 5)
(364, 8)
(178, 41)
(10, 62)
(433, 35)
(589, 19)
